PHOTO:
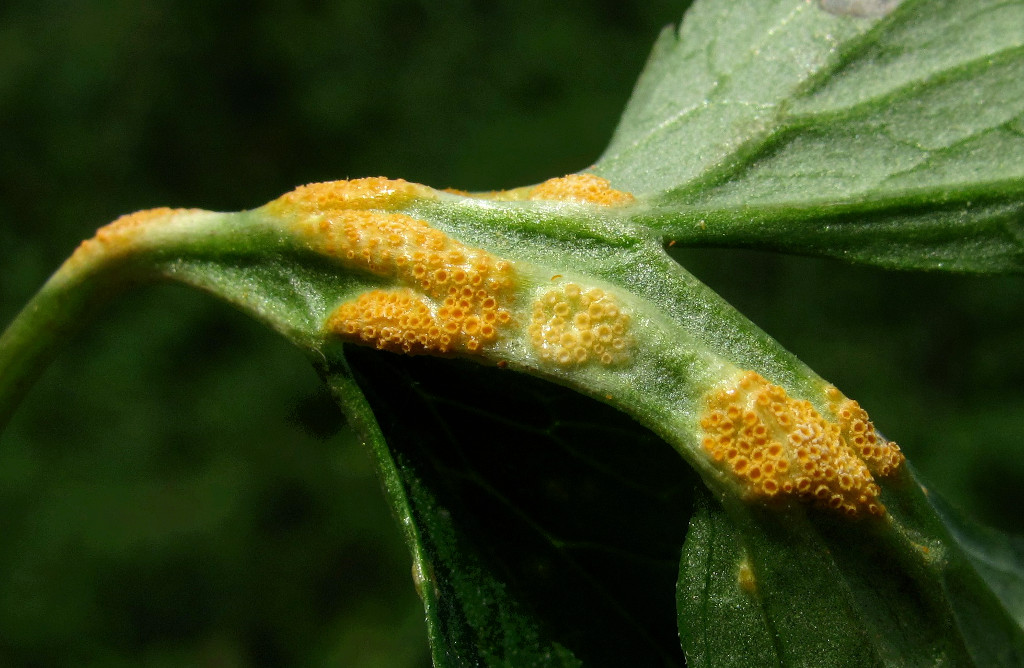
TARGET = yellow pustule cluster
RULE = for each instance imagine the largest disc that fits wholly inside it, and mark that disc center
(375, 192)
(572, 326)
(882, 457)
(402, 321)
(581, 188)
(777, 446)
(394, 244)
(454, 298)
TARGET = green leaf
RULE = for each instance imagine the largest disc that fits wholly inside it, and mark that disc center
(549, 526)
(721, 622)
(544, 530)
(763, 587)
(997, 556)
(895, 140)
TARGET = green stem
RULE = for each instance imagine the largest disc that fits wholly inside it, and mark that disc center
(336, 373)
(133, 249)
(64, 304)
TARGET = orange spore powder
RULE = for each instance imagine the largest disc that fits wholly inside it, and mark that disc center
(452, 297)
(778, 446)
(376, 192)
(586, 188)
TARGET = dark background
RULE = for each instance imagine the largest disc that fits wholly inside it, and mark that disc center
(178, 489)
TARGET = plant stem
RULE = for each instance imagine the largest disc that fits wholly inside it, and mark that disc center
(122, 254)
(63, 305)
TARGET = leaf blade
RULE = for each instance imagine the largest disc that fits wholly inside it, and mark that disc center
(998, 557)
(720, 623)
(913, 120)
(537, 539)
(706, 91)
(817, 591)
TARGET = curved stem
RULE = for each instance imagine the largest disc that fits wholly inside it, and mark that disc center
(120, 255)
(58, 310)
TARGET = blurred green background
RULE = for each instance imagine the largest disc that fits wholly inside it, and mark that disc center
(178, 490)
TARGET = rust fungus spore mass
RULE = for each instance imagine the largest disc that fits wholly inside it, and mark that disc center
(375, 192)
(452, 298)
(571, 325)
(120, 236)
(586, 188)
(778, 446)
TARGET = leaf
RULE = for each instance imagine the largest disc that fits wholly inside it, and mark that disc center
(796, 604)
(546, 530)
(997, 556)
(549, 525)
(721, 622)
(784, 588)
(895, 140)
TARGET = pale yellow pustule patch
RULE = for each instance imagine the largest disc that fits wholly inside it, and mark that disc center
(586, 188)
(570, 326)
(120, 236)
(376, 192)
(780, 447)
(450, 297)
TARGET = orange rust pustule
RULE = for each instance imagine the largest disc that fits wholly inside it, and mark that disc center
(779, 447)
(402, 321)
(118, 236)
(586, 188)
(449, 297)
(396, 320)
(455, 298)
(883, 458)
(375, 192)
(403, 247)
